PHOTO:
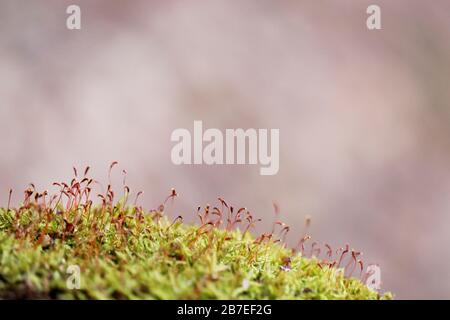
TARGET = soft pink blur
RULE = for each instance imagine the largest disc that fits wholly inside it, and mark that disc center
(364, 116)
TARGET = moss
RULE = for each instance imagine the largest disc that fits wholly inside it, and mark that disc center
(125, 253)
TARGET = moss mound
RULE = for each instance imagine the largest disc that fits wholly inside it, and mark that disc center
(123, 252)
(150, 258)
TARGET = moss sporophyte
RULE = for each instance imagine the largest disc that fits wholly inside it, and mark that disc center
(121, 251)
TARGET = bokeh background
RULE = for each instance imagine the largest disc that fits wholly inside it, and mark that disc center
(364, 116)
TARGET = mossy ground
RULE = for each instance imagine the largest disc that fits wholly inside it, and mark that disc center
(124, 253)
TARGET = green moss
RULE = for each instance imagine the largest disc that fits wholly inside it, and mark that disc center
(125, 253)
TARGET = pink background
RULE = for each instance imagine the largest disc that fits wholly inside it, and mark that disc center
(364, 116)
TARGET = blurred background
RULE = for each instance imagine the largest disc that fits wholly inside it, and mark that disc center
(364, 116)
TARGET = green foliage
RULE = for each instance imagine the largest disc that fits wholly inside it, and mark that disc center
(124, 254)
